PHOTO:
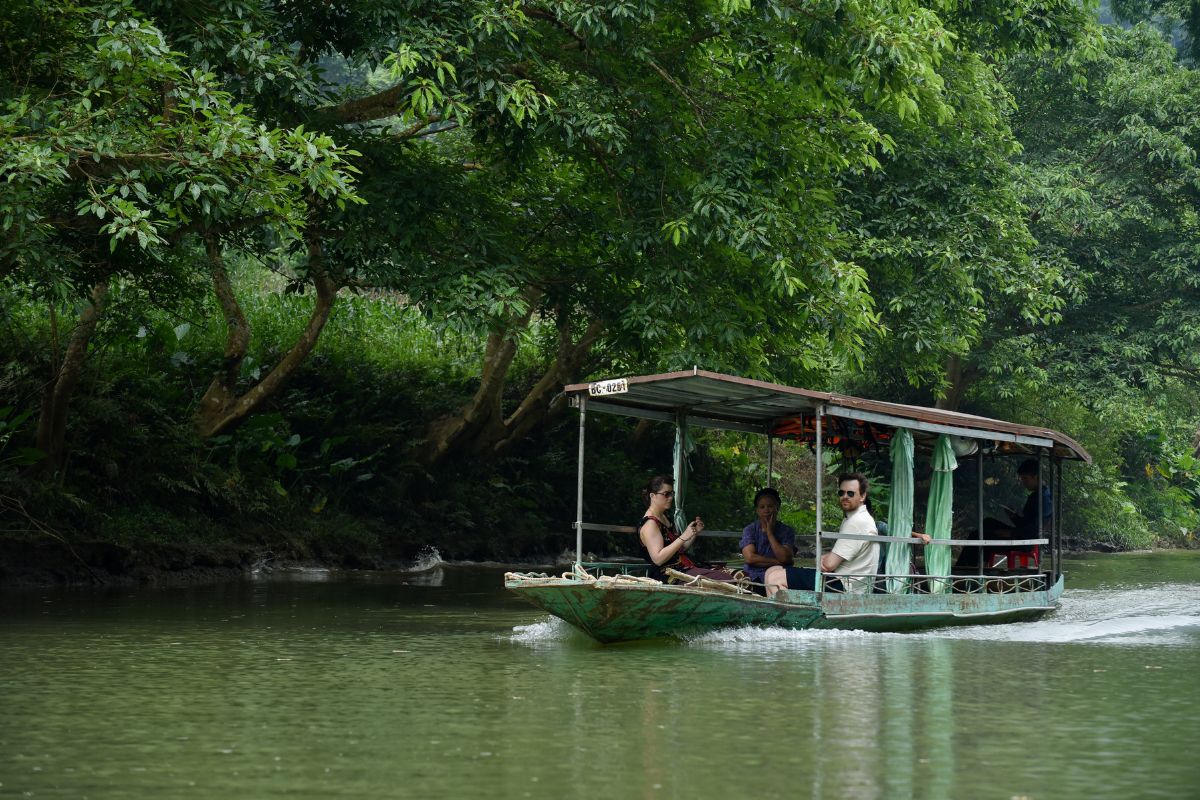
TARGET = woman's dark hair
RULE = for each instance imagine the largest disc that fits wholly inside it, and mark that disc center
(854, 476)
(1028, 467)
(654, 485)
(767, 492)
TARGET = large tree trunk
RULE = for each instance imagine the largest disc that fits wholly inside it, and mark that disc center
(480, 427)
(222, 408)
(540, 400)
(957, 377)
(56, 398)
(483, 410)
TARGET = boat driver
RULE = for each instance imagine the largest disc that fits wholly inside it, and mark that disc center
(1021, 525)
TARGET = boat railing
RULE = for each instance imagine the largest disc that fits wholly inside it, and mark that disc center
(976, 542)
(920, 583)
(916, 583)
(983, 581)
(596, 526)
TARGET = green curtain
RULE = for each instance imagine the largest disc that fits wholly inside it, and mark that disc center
(900, 514)
(940, 512)
(683, 448)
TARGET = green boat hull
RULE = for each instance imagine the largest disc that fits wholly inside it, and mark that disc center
(629, 612)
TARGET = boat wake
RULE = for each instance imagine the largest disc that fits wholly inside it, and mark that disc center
(1167, 614)
(1163, 615)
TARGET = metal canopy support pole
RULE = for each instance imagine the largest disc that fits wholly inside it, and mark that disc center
(1041, 512)
(979, 502)
(677, 466)
(1056, 503)
(820, 582)
(770, 460)
(579, 485)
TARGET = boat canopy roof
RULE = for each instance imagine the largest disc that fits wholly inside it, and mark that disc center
(728, 402)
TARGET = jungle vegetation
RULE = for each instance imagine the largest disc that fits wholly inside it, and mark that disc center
(307, 278)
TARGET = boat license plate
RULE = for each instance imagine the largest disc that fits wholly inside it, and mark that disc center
(605, 388)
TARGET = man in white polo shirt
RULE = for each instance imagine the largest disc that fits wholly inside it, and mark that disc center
(854, 556)
(848, 557)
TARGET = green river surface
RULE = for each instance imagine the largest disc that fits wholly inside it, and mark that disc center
(438, 684)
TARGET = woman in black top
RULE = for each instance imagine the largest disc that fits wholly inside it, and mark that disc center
(662, 545)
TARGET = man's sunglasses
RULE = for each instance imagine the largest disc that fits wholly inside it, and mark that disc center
(846, 493)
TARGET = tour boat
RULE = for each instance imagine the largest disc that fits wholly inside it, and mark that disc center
(1020, 579)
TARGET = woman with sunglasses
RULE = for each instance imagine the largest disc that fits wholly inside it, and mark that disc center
(662, 545)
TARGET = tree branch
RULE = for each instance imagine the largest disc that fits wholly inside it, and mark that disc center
(416, 129)
(364, 109)
(222, 408)
(536, 404)
(52, 421)
(696, 110)
(539, 13)
(482, 412)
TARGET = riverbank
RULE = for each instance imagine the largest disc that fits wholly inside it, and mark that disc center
(47, 562)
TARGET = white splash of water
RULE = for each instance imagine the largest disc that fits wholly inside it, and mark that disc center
(758, 635)
(551, 629)
(427, 558)
(760, 640)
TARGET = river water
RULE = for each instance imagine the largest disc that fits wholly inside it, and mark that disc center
(312, 684)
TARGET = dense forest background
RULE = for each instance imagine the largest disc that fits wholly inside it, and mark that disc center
(304, 280)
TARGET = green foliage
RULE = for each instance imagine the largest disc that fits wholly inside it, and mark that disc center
(1178, 19)
(1116, 199)
(849, 191)
(117, 140)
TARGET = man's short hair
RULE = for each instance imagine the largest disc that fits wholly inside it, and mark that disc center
(1028, 467)
(854, 476)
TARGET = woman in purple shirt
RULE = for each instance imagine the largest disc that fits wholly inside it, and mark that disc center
(767, 542)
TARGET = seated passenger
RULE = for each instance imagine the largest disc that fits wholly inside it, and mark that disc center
(662, 545)
(849, 556)
(767, 542)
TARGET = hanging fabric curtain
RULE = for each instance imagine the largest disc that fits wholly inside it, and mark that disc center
(683, 448)
(940, 512)
(900, 513)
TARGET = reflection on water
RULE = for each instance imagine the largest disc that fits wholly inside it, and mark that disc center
(429, 577)
(374, 685)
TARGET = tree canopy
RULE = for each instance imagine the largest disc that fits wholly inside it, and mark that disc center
(920, 199)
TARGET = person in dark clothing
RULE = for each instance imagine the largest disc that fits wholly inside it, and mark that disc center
(1021, 525)
(767, 542)
(1025, 524)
